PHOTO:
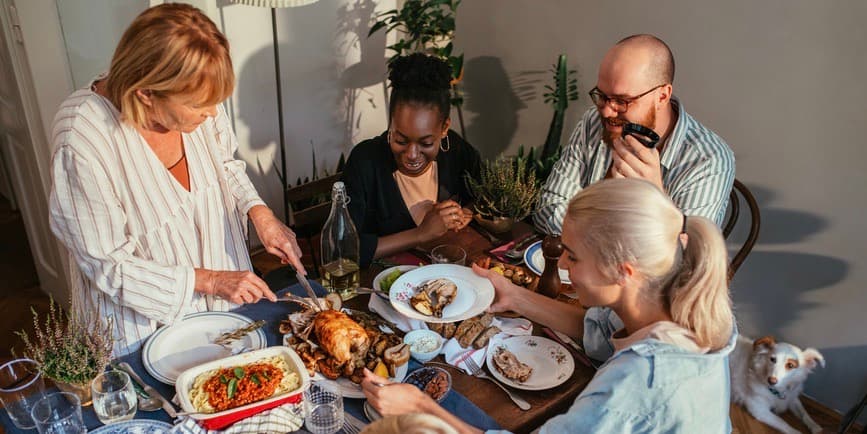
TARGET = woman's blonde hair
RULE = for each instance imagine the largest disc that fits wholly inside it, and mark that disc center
(632, 221)
(413, 423)
(170, 49)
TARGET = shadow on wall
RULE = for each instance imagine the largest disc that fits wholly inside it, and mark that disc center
(770, 283)
(845, 367)
(312, 95)
(495, 102)
(353, 25)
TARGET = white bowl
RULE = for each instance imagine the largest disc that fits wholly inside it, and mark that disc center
(386, 272)
(185, 381)
(415, 335)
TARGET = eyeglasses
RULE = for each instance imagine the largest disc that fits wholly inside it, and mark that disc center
(620, 104)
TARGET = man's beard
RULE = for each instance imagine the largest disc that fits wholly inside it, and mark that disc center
(648, 121)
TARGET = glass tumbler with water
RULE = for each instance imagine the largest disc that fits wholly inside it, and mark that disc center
(323, 408)
(114, 398)
(58, 413)
(20, 388)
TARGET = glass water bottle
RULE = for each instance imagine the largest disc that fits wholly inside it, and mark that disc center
(340, 247)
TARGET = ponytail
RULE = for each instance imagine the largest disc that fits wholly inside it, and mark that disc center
(699, 297)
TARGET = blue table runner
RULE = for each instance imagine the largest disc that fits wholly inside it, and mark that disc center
(272, 313)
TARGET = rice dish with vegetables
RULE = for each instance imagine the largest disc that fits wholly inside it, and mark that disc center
(226, 388)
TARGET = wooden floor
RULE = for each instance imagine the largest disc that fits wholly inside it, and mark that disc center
(19, 289)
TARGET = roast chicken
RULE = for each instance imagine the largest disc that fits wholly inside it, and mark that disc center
(340, 336)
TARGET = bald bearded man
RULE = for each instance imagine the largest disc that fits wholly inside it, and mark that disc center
(690, 162)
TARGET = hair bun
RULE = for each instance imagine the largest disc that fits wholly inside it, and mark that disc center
(419, 70)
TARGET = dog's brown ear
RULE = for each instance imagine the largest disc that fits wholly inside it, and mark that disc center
(767, 342)
(813, 357)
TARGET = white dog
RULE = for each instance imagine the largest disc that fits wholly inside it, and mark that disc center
(767, 378)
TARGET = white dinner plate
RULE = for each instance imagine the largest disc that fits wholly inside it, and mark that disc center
(136, 426)
(189, 342)
(474, 295)
(536, 262)
(386, 272)
(346, 386)
(551, 362)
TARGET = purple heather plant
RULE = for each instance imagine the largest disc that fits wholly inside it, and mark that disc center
(68, 349)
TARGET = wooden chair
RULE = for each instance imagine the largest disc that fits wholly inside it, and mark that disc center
(308, 211)
(733, 214)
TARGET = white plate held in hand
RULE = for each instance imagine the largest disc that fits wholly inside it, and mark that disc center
(474, 295)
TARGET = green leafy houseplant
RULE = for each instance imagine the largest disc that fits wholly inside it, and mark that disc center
(504, 193)
(565, 89)
(69, 351)
(428, 26)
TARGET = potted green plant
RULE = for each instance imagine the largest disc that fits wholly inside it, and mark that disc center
(69, 351)
(504, 193)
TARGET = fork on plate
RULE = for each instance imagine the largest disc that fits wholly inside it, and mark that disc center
(478, 372)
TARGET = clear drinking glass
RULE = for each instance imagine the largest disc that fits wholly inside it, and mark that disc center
(323, 408)
(58, 413)
(20, 387)
(448, 254)
(114, 397)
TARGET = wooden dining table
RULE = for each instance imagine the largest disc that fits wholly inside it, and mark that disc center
(487, 396)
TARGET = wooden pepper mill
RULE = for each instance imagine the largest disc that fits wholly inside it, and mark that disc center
(549, 282)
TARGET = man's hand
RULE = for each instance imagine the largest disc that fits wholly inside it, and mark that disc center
(277, 239)
(631, 159)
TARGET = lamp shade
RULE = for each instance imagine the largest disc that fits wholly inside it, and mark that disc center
(274, 3)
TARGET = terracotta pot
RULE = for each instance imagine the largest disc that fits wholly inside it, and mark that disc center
(83, 391)
(496, 225)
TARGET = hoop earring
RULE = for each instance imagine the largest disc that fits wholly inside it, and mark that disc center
(448, 144)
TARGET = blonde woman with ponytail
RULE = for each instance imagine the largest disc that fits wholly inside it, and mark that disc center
(656, 311)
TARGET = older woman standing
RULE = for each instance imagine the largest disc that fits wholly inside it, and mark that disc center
(147, 195)
(658, 312)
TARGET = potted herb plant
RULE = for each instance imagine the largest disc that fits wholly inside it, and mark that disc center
(69, 351)
(504, 193)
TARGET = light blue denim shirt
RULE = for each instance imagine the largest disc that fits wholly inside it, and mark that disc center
(649, 387)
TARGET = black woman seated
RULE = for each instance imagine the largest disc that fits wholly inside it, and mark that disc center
(407, 185)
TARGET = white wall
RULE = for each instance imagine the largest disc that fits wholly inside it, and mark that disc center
(782, 81)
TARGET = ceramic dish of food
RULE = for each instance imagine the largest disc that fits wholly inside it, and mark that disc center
(389, 274)
(435, 382)
(190, 342)
(136, 426)
(424, 345)
(473, 296)
(550, 362)
(221, 392)
(348, 388)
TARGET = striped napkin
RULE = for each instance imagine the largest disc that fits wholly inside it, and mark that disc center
(278, 420)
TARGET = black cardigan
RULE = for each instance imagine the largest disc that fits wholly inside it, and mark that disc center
(376, 205)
